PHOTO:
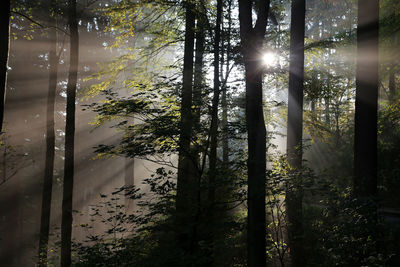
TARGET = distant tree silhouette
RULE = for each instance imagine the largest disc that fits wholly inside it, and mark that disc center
(50, 140)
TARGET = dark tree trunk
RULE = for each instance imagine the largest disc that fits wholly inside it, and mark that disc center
(198, 85)
(4, 48)
(198, 82)
(251, 42)
(214, 114)
(186, 181)
(366, 106)
(296, 78)
(66, 224)
(50, 146)
(214, 123)
(224, 127)
(295, 131)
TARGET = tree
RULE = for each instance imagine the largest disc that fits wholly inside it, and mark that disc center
(185, 199)
(251, 45)
(366, 106)
(50, 140)
(295, 129)
(224, 103)
(129, 174)
(393, 70)
(66, 224)
(214, 114)
(4, 47)
(198, 79)
(392, 83)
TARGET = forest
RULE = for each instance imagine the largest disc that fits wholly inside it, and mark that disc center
(199, 133)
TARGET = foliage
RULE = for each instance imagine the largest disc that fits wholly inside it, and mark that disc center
(146, 237)
(389, 153)
(343, 231)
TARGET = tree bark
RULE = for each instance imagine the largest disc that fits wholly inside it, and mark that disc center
(295, 131)
(198, 82)
(214, 124)
(366, 106)
(251, 44)
(214, 114)
(4, 50)
(66, 224)
(198, 85)
(296, 79)
(50, 145)
(186, 181)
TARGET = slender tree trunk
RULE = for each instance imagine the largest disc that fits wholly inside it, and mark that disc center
(224, 102)
(392, 71)
(129, 182)
(198, 85)
(312, 106)
(66, 224)
(186, 181)
(327, 111)
(251, 42)
(366, 106)
(50, 146)
(295, 131)
(198, 82)
(214, 124)
(4, 49)
(392, 84)
(4, 161)
(214, 114)
(224, 127)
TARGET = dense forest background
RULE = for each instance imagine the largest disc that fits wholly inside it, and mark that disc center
(199, 133)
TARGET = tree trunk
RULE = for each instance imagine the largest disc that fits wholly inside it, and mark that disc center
(198, 85)
(327, 111)
(313, 107)
(366, 106)
(295, 131)
(50, 146)
(4, 48)
(214, 114)
(224, 102)
(66, 224)
(251, 44)
(198, 82)
(186, 181)
(214, 124)
(392, 84)
(129, 182)
(224, 127)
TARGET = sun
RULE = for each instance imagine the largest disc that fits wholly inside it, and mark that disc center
(269, 59)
